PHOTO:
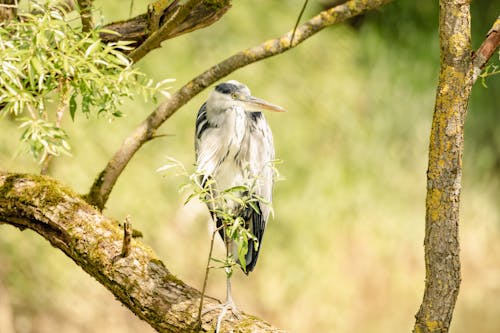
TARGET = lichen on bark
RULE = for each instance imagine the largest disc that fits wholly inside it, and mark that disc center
(140, 281)
(444, 174)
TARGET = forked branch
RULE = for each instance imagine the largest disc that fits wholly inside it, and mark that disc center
(165, 20)
(103, 185)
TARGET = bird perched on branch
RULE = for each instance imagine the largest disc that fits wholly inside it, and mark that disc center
(234, 148)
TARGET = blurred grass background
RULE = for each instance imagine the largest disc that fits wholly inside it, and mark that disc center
(344, 252)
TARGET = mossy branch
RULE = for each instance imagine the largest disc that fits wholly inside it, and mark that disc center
(103, 185)
(139, 280)
(444, 174)
(164, 20)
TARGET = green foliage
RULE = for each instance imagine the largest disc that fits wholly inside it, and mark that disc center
(349, 229)
(489, 70)
(44, 59)
(225, 206)
(44, 138)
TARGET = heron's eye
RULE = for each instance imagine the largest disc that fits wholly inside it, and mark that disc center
(234, 95)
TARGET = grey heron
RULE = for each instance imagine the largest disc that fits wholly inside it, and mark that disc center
(234, 145)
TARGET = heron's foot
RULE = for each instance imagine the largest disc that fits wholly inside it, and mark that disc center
(225, 308)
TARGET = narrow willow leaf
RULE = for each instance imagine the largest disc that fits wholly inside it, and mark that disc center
(254, 206)
(72, 106)
(242, 251)
(91, 48)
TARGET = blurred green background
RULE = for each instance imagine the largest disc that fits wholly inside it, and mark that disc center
(344, 252)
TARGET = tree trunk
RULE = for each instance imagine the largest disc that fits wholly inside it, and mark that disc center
(444, 174)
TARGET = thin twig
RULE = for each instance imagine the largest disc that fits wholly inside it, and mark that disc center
(127, 239)
(207, 270)
(298, 21)
(131, 9)
(61, 109)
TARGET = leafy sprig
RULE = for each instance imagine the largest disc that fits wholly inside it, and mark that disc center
(44, 59)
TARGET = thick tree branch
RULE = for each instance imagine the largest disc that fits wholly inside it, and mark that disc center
(165, 19)
(103, 185)
(487, 48)
(140, 280)
(442, 261)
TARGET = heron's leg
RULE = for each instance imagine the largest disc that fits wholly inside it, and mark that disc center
(229, 298)
(229, 304)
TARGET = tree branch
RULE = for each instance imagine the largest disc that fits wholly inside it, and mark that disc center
(165, 19)
(85, 7)
(487, 48)
(8, 10)
(140, 280)
(442, 261)
(103, 185)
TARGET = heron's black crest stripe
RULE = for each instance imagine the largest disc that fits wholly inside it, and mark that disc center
(226, 88)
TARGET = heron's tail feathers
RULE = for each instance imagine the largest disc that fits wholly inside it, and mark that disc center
(257, 226)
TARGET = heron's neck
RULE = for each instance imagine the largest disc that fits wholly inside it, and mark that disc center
(233, 119)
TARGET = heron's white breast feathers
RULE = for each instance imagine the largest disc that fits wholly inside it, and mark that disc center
(238, 150)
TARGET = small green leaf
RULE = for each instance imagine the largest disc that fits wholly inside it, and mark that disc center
(254, 206)
(242, 252)
(86, 104)
(91, 48)
(239, 188)
(72, 106)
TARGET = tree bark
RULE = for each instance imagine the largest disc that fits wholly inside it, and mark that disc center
(444, 174)
(8, 10)
(140, 280)
(85, 7)
(164, 20)
(487, 48)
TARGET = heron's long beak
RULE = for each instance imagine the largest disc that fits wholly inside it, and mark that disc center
(254, 104)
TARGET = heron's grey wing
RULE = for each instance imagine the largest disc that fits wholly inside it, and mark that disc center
(206, 145)
(201, 126)
(260, 154)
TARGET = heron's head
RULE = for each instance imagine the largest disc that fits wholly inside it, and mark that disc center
(233, 94)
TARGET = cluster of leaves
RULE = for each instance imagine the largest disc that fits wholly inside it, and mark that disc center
(226, 206)
(44, 59)
(490, 70)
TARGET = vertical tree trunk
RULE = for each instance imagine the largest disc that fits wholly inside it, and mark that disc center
(442, 261)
